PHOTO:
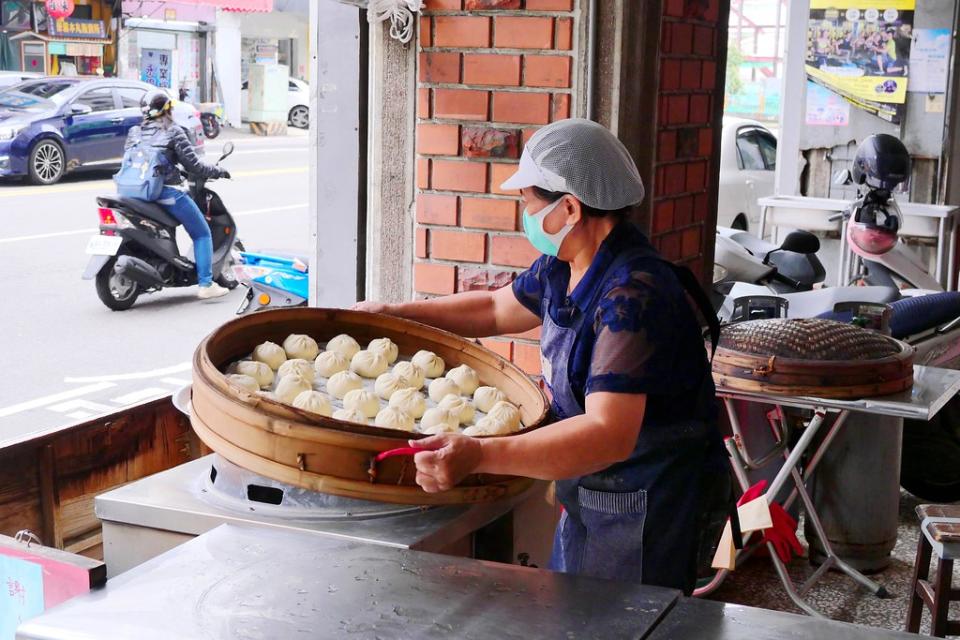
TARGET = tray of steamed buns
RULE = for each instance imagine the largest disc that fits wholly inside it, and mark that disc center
(311, 396)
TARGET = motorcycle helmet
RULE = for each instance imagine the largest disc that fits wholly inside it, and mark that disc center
(155, 104)
(874, 228)
(881, 162)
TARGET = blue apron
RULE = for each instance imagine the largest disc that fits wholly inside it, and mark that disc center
(639, 519)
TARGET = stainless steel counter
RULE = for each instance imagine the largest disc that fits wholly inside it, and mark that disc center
(154, 514)
(254, 582)
(692, 619)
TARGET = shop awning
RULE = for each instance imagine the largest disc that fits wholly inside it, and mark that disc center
(33, 35)
(240, 6)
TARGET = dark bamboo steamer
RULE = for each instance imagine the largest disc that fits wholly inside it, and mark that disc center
(763, 369)
(323, 454)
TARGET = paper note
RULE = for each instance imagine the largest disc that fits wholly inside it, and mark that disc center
(929, 60)
(726, 555)
(755, 515)
(21, 594)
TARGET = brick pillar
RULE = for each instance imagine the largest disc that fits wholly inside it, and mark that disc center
(490, 73)
(692, 54)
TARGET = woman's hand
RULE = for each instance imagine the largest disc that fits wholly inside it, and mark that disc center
(372, 307)
(452, 458)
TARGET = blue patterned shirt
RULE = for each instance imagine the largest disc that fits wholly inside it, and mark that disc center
(643, 337)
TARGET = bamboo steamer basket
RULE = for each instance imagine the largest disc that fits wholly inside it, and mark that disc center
(811, 357)
(332, 456)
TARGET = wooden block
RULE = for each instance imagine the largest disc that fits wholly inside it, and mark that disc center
(726, 555)
(755, 515)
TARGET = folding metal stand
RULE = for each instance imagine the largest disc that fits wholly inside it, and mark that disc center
(932, 389)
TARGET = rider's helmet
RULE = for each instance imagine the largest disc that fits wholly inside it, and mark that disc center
(881, 162)
(155, 104)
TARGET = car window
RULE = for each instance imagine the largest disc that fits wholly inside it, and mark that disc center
(100, 99)
(293, 86)
(45, 89)
(751, 158)
(130, 97)
(768, 148)
(243, 87)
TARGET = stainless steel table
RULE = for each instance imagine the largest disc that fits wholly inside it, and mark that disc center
(692, 619)
(932, 389)
(252, 582)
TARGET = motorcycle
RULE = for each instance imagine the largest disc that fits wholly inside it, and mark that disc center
(136, 249)
(272, 281)
(755, 279)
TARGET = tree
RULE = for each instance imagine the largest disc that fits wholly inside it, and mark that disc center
(734, 62)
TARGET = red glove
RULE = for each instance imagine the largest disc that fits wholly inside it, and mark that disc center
(783, 534)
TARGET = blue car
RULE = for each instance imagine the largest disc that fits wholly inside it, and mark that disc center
(51, 126)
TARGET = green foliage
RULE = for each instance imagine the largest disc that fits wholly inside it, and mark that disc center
(734, 62)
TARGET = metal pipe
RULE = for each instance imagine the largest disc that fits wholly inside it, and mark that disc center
(748, 460)
(794, 456)
(591, 58)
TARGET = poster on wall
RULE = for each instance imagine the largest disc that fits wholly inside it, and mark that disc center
(860, 49)
(825, 108)
(930, 60)
(155, 67)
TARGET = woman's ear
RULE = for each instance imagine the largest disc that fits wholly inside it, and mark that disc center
(573, 209)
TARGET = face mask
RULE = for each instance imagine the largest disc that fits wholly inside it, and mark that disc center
(546, 243)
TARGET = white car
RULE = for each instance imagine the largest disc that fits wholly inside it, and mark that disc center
(748, 162)
(10, 78)
(298, 114)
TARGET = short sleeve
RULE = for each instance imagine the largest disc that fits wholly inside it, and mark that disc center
(635, 335)
(529, 286)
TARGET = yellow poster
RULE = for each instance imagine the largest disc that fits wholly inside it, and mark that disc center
(861, 50)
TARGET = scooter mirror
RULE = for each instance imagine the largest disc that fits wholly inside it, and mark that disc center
(227, 150)
(801, 242)
(842, 177)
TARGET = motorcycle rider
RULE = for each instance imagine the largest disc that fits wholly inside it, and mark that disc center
(159, 130)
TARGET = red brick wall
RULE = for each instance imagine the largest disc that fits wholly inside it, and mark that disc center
(684, 195)
(490, 73)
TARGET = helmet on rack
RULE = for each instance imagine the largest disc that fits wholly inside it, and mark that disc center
(881, 162)
(155, 104)
(874, 228)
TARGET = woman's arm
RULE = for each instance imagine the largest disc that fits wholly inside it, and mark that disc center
(187, 156)
(604, 435)
(473, 314)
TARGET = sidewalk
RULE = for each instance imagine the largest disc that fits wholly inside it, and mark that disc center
(243, 133)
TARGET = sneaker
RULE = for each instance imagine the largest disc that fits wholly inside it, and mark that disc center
(213, 291)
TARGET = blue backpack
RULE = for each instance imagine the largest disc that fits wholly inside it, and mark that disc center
(141, 172)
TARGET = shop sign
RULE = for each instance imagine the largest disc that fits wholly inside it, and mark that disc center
(75, 28)
(155, 67)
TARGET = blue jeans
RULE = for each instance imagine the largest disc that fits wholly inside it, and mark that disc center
(182, 207)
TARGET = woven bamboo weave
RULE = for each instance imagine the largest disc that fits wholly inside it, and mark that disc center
(811, 357)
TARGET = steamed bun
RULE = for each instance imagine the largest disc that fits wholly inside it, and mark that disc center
(348, 415)
(486, 397)
(442, 387)
(298, 366)
(259, 371)
(459, 406)
(387, 384)
(343, 382)
(331, 362)
(410, 401)
(507, 413)
(466, 378)
(344, 345)
(270, 353)
(362, 401)
(298, 345)
(244, 381)
(385, 347)
(411, 374)
(368, 364)
(290, 387)
(314, 402)
(437, 420)
(433, 365)
(394, 418)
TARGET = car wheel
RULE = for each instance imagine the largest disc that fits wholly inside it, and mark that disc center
(300, 117)
(739, 223)
(47, 163)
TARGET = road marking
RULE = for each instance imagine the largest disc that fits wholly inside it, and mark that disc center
(177, 382)
(80, 415)
(100, 185)
(143, 375)
(87, 405)
(56, 397)
(76, 232)
(142, 394)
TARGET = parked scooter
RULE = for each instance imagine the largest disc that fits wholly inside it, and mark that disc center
(136, 250)
(272, 281)
(211, 115)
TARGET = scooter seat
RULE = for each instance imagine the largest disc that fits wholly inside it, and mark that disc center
(803, 268)
(146, 209)
(812, 304)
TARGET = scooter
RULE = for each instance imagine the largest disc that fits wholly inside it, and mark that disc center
(272, 281)
(211, 115)
(930, 459)
(136, 250)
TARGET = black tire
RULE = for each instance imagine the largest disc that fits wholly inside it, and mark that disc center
(47, 163)
(230, 282)
(299, 117)
(108, 291)
(930, 462)
(211, 126)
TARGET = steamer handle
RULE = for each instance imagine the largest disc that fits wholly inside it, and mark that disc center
(383, 455)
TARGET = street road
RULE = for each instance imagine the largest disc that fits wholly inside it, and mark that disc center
(65, 356)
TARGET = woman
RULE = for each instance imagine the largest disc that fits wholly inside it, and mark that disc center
(160, 131)
(634, 443)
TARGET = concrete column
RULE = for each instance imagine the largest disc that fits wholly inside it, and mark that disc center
(792, 96)
(227, 63)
